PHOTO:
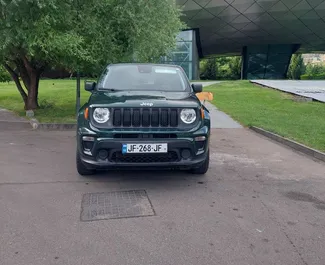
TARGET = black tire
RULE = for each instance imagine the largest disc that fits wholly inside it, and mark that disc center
(203, 168)
(81, 168)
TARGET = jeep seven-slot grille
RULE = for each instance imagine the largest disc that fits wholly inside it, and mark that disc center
(145, 117)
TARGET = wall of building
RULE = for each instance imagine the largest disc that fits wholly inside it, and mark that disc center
(185, 54)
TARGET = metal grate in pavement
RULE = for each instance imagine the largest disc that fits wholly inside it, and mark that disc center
(113, 205)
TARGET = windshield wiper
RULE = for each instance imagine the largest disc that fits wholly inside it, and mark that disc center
(110, 89)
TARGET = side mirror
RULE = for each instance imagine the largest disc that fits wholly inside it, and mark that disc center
(198, 88)
(90, 86)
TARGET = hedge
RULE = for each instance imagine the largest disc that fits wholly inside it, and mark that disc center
(313, 77)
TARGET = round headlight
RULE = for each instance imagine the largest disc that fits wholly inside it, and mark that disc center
(188, 116)
(101, 115)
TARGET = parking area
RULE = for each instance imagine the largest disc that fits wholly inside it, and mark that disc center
(260, 203)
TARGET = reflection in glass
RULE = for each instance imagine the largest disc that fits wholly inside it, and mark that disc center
(183, 53)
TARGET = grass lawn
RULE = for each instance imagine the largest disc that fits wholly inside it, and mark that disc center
(56, 97)
(272, 110)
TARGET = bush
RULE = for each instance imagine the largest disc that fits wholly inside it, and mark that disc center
(296, 67)
(313, 77)
(209, 69)
(315, 69)
(4, 75)
(221, 68)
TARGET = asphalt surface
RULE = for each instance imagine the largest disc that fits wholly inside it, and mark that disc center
(260, 203)
(313, 89)
(219, 119)
(10, 121)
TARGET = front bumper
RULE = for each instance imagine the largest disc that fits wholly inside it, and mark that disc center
(196, 152)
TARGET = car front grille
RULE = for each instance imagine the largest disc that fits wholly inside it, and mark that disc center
(145, 117)
(118, 157)
(145, 135)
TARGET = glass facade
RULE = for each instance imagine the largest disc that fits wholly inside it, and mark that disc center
(266, 61)
(185, 54)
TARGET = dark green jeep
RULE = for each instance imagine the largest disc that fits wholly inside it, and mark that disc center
(143, 116)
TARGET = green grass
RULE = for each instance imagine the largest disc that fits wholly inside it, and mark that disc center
(272, 110)
(56, 97)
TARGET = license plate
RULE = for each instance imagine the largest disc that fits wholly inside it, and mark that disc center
(144, 148)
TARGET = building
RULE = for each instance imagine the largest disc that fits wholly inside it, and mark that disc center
(312, 58)
(264, 32)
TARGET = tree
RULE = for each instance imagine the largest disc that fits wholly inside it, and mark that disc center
(235, 67)
(315, 69)
(209, 70)
(296, 67)
(81, 34)
(223, 68)
(4, 75)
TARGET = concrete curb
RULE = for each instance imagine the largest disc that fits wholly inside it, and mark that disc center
(57, 126)
(296, 97)
(34, 123)
(52, 126)
(14, 125)
(294, 145)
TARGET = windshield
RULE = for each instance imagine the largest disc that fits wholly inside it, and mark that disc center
(143, 77)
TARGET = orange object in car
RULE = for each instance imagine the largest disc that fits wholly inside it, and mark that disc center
(202, 96)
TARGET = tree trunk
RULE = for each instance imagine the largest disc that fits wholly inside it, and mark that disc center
(30, 75)
(32, 98)
(15, 77)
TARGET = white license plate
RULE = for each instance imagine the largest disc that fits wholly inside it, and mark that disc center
(144, 148)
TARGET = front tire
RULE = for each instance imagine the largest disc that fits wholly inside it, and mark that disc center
(203, 168)
(81, 168)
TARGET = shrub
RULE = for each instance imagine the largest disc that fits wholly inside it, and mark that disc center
(313, 77)
(4, 75)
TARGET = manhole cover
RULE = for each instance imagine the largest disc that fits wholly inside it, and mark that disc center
(112, 205)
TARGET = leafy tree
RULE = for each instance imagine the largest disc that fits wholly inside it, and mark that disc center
(296, 67)
(235, 67)
(315, 69)
(222, 68)
(81, 34)
(209, 70)
(4, 75)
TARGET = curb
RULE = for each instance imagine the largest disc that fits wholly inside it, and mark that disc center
(52, 126)
(294, 145)
(296, 96)
(14, 125)
(34, 123)
(56, 126)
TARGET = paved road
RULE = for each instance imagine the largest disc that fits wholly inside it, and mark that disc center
(260, 203)
(10, 121)
(313, 89)
(220, 119)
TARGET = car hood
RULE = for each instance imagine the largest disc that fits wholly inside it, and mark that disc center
(143, 99)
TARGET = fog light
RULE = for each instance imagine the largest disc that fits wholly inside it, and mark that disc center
(102, 154)
(88, 138)
(200, 138)
(88, 143)
(186, 153)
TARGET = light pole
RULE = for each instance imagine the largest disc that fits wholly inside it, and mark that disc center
(78, 74)
(78, 93)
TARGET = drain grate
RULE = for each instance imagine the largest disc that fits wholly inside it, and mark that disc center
(113, 205)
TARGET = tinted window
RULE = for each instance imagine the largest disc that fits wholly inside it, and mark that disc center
(143, 77)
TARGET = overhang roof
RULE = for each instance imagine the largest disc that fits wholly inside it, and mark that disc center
(225, 26)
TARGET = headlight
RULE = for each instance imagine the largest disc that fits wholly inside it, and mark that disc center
(188, 116)
(101, 115)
